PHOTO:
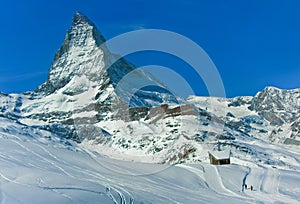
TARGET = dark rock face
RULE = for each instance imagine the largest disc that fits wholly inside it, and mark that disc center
(295, 127)
(290, 141)
(164, 111)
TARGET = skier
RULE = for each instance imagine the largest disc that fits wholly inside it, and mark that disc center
(251, 188)
(245, 186)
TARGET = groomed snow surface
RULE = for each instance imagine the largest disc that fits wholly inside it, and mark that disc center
(35, 167)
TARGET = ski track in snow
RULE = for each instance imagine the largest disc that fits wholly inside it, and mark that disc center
(42, 184)
(196, 171)
(265, 182)
(270, 181)
(245, 178)
(119, 195)
(45, 159)
(112, 190)
(214, 181)
(212, 178)
(159, 190)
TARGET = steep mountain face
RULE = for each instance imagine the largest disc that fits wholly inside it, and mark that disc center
(277, 106)
(82, 86)
(82, 100)
(79, 55)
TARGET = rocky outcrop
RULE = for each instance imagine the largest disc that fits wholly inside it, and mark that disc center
(276, 105)
(164, 111)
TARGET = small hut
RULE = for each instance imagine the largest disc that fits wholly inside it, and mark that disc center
(219, 157)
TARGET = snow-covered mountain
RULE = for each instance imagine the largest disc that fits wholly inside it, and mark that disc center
(82, 108)
(277, 106)
(83, 82)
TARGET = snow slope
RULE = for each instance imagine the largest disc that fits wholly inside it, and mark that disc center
(37, 167)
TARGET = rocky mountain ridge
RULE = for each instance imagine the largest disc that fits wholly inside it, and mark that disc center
(82, 79)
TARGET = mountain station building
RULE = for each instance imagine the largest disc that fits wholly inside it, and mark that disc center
(219, 157)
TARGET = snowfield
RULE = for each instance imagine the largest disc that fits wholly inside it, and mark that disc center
(37, 167)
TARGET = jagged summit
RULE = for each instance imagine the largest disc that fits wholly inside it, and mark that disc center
(273, 89)
(80, 18)
(84, 53)
(84, 57)
(80, 54)
(84, 68)
(276, 105)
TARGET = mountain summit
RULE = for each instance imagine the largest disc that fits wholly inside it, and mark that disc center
(84, 78)
(84, 55)
(79, 53)
(80, 18)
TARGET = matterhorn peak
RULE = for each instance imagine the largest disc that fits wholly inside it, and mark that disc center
(82, 53)
(83, 64)
(80, 23)
(80, 18)
(82, 27)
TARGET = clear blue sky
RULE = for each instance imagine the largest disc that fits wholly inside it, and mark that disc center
(252, 43)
